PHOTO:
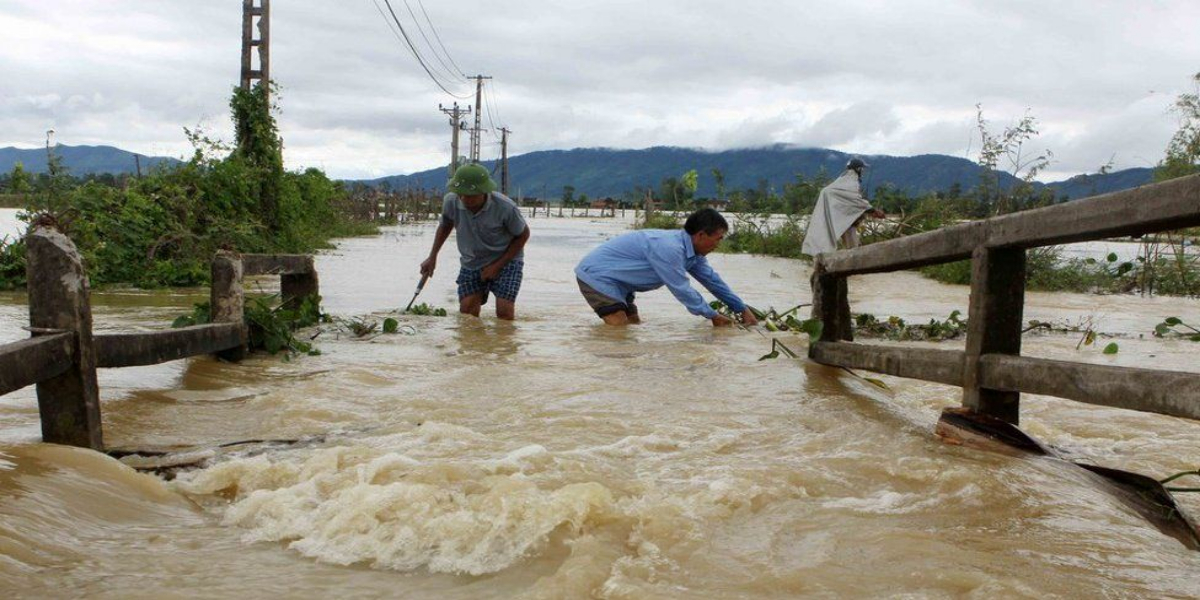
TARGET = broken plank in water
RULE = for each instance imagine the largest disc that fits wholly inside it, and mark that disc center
(1143, 494)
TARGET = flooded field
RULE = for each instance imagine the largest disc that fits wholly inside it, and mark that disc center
(556, 458)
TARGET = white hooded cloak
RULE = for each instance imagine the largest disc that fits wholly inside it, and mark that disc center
(839, 205)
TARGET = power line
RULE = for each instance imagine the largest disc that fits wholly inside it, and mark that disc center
(491, 120)
(452, 74)
(412, 48)
(496, 104)
(439, 40)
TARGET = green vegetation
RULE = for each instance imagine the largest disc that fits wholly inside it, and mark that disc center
(271, 325)
(163, 229)
(773, 320)
(658, 220)
(759, 233)
(894, 328)
(1175, 327)
(426, 310)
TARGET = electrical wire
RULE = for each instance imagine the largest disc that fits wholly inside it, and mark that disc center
(445, 67)
(496, 103)
(412, 48)
(439, 40)
(490, 100)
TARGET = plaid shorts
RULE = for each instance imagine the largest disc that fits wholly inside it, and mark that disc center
(506, 285)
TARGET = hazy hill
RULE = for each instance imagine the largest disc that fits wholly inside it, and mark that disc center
(79, 160)
(600, 172)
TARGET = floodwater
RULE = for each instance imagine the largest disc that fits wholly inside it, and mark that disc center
(557, 458)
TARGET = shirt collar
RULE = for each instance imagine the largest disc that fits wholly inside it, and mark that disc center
(689, 250)
(486, 203)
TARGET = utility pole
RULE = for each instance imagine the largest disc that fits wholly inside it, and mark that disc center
(504, 131)
(478, 129)
(456, 114)
(259, 10)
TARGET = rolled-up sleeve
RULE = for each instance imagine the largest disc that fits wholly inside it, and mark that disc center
(667, 260)
(704, 273)
(448, 210)
(514, 222)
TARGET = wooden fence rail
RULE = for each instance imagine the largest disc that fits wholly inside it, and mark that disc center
(62, 356)
(991, 371)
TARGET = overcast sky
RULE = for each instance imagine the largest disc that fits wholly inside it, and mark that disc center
(869, 77)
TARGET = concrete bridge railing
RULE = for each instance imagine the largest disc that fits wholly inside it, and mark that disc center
(62, 355)
(991, 370)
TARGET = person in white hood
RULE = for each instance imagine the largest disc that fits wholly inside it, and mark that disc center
(840, 207)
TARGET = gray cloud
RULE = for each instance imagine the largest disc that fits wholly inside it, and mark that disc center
(870, 77)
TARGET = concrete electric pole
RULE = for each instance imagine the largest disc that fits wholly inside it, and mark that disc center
(260, 11)
(478, 129)
(456, 114)
(504, 131)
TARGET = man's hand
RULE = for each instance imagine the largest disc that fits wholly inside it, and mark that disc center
(748, 317)
(490, 272)
(721, 321)
(428, 266)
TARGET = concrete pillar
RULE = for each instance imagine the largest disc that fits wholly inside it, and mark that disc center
(295, 287)
(831, 304)
(227, 303)
(994, 323)
(69, 404)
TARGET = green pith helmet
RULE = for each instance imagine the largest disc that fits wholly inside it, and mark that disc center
(471, 180)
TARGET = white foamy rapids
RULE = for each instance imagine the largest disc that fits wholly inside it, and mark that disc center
(363, 505)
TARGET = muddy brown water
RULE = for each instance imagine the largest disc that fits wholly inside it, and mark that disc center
(557, 458)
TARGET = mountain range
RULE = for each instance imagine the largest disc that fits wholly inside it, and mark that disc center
(80, 160)
(601, 172)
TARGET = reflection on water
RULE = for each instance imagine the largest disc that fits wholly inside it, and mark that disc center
(554, 457)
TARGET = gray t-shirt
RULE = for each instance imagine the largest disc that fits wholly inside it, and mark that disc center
(484, 236)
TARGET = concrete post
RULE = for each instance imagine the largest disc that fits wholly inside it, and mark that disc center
(295, 287)
(227, 302)
(994, 325)
(69, 404)
(831, 304)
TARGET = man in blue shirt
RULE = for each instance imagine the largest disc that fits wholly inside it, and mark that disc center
(491, 238)
(648, 259)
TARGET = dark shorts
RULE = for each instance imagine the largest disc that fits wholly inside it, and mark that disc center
(606, 305)
(506, 285)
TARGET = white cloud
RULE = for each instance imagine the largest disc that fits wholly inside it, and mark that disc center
(871, 77)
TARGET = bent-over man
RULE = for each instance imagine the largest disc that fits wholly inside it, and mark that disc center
(491, 238)
(648, 259)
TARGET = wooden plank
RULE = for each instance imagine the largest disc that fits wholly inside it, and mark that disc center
(277, 264)
(941, 366)
(1173, 204)
(1149, 390)
(151, 348)
(69, 403)
(994, 326)
(29, 361)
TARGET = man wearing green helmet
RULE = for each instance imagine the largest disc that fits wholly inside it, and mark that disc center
(491, 236)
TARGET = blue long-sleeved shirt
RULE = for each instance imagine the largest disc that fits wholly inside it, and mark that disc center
(648, 259)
